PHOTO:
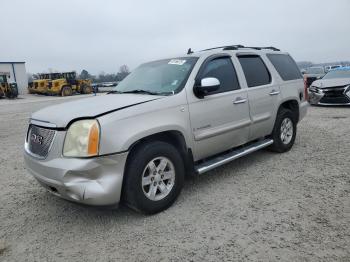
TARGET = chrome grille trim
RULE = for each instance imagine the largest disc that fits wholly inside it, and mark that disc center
(39, 147)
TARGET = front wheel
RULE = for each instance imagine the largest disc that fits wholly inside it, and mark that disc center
(66, 91)
(284, 131)
(154, 177)
(85, 89)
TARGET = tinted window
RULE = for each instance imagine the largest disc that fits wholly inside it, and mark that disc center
(254, 70)
(285, 66)
(222, 69)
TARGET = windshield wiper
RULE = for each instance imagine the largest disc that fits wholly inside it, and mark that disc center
(140, 91)
(114, 92)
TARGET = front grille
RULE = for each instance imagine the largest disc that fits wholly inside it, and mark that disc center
(335, 95)
(335, 100)
(39, 140)
(334, 92)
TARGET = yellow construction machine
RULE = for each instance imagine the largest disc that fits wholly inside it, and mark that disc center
(64, 84)
(7, 89)
(68, 84)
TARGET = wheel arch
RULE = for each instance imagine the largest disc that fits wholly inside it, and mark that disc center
(173, 137)
(293, 105)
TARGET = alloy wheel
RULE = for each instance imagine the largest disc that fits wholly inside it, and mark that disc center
(158, 178)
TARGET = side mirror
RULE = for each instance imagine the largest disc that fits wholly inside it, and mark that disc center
(206, 86)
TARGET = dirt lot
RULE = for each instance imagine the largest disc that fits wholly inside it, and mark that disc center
(266, 206)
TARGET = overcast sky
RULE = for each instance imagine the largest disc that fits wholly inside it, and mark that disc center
(102, 35)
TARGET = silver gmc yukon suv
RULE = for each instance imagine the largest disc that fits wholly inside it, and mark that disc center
(168, 119)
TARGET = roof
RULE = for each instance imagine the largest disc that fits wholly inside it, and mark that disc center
(12, 62)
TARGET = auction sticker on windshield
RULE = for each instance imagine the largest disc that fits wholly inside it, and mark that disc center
(176, 62)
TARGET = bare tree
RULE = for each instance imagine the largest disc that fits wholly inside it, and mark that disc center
(123, 72)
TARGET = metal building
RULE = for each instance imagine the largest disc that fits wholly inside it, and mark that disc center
(18, 74)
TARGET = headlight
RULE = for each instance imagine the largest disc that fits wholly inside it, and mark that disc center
(82, 139)
(315, 89)
(348, 91)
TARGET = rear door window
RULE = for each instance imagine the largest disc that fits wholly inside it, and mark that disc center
(285, 66)
(255, 70)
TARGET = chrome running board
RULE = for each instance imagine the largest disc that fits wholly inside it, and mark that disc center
(230, 156)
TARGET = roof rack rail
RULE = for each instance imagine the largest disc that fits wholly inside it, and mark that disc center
(233, 47)
(265, 47)
(237, 47)
(226, 47)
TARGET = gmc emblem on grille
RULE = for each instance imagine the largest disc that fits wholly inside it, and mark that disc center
(36, 139)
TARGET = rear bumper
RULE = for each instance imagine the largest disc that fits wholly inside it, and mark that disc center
(93, 181)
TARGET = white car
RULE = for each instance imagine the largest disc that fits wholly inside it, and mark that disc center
(332, 89)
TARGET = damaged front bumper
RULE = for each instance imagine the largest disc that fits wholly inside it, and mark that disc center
(93, 181)
(329, 96)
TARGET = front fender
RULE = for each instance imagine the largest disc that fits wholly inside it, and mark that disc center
(120, 130)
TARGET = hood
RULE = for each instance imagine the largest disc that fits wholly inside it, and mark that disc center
(61, 114)
(335, 82)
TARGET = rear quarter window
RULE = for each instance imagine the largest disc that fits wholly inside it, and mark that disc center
(285, 66)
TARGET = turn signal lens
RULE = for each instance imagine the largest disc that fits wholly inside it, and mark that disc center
(94, 137)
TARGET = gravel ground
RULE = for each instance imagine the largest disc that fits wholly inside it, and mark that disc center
(263, 207)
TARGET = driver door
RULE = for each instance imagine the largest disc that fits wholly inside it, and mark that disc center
(220, 120)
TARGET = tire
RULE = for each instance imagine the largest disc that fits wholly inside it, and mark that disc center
(284, 140)
(12, 92)
(66, 91)
(83, 89)
(140, 196)
(86, 89)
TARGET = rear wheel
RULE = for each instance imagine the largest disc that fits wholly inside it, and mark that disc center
(154, 177)
(66, 91)
(284, 131)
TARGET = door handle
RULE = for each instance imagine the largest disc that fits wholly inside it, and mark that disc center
(274, 93)
(239, 100)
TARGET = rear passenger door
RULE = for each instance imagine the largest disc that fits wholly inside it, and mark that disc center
(263, 94)
(221, 119)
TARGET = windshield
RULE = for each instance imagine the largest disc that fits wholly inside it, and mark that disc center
(161, 77)
(315, 70)
(337, 74)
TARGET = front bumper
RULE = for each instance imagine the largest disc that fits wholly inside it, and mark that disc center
(327, 98)
(93, 181)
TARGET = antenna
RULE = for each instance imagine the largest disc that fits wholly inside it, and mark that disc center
(189, 51)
